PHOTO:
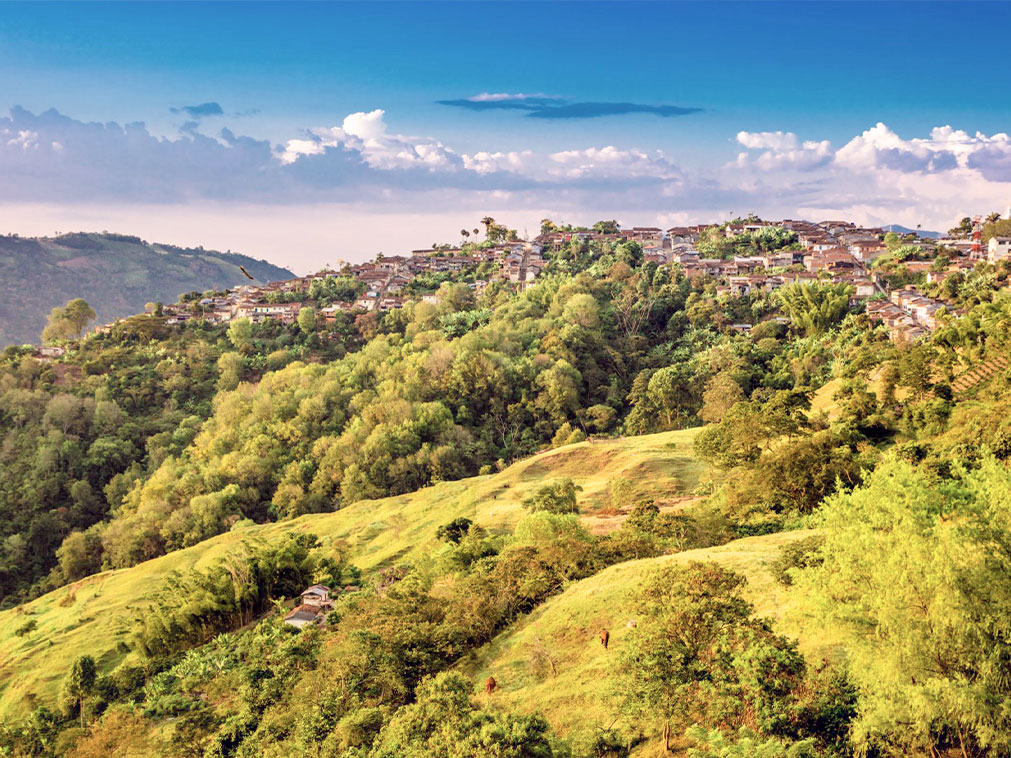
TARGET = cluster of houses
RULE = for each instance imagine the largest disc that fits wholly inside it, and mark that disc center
(908, 314)
(384, 283)
(837, 251)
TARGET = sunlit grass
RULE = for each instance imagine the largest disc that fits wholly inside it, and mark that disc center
(578, 690)
(89, 616)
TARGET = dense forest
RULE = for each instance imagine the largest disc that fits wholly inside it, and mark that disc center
(116, 273)
(152, 439)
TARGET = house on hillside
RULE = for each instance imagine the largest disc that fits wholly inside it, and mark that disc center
(998, 248)
(318, 595)
(303, 615)
(834, 259)
(259, 312)
(48, 352)
(314, 604)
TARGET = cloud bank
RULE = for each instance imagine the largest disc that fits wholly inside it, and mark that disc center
(363, 166)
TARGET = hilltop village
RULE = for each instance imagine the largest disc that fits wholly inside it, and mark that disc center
(897, 279)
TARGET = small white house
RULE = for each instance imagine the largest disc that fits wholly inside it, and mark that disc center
(998, 248)
(318, 594)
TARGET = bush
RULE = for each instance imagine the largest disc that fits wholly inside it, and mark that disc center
(800, 554)
(559, 497)
(26, 628)
(454, 531)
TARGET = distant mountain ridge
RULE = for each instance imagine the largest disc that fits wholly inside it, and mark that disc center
(899, 229)
(116, 273)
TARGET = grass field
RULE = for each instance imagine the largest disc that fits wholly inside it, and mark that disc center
(88, 616)
(581, 693)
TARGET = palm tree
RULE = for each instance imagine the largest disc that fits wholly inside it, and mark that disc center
(993, 218)
(487, 221)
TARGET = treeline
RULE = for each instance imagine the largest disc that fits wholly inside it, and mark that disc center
(449, 390)
(80, 433)
(188, 610)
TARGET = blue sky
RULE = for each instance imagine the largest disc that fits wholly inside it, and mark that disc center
(818, 72)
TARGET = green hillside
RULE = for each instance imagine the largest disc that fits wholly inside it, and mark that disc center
(87, 616)
(117, 274)
(567, 629)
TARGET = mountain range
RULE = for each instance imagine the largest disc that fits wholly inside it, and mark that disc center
(117, 274)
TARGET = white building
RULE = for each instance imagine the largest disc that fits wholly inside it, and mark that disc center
(998, 249)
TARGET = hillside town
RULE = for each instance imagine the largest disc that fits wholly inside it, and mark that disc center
(838, 252)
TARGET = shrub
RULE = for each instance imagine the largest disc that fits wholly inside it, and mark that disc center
(800, 554)
(558, 497)
(26, 628)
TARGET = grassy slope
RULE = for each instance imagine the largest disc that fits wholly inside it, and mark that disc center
(378, 533)
(823, 400)
(582, 694)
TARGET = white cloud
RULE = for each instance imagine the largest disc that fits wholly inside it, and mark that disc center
(791, 154)
(516, 162)
(610, 162)
(366, 134)
(25, 139)
(295, 148)
(768, 140)
(367, 126)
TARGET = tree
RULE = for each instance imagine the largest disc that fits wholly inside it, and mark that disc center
(964, 228)
(697, 655)
(815, 307)
(455, 530)
(80, 555)
(557, 497)
(307, 320)
(560, 386)
(443, 721)
(915, 369)
(1000, 227)
(68, 322)
(582, 310)
(79, 684)
(488, 222)
(749, 428)
(915, 575)
(607, 227)
(630, 253)
(672, 392)
(722, 393)
(240, 333)
(231, 367)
